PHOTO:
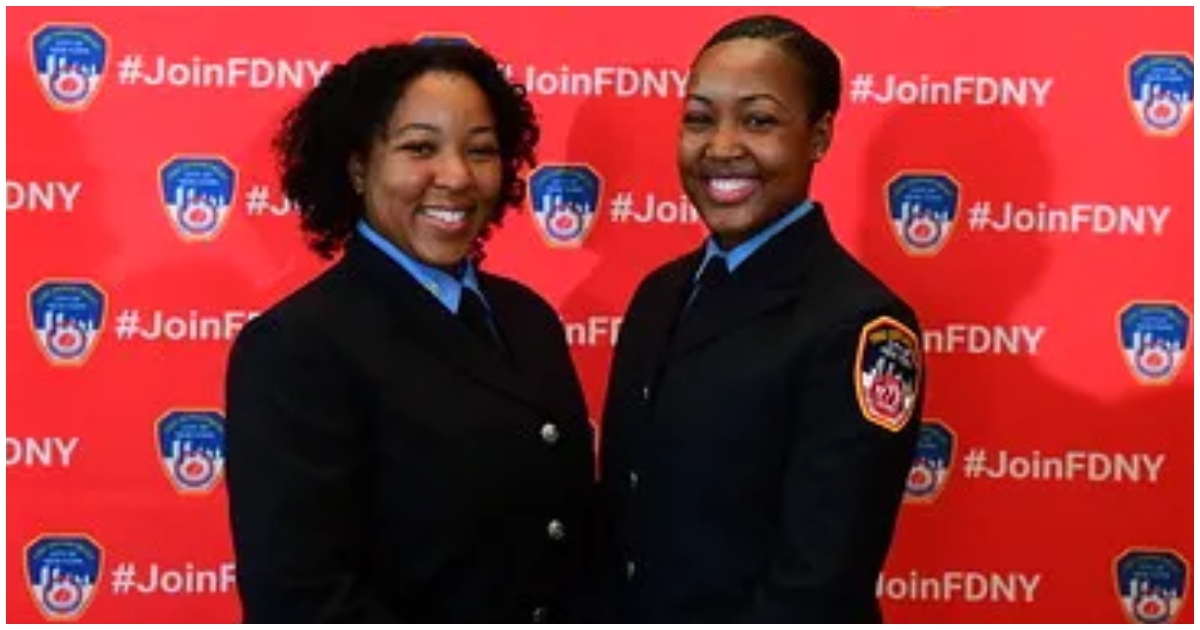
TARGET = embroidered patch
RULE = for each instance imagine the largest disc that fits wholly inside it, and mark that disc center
(887, 373)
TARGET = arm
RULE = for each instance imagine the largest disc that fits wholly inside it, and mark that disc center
(844, 481)
(295, 481)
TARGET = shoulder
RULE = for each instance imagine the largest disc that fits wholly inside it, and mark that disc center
(855, 296)
(506, 293)
(671, 271)
(301, 318)
(665, 278)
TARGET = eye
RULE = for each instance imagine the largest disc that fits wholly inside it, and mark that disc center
(759, 122)
(419, 148)
(483, 151)
(696, 121)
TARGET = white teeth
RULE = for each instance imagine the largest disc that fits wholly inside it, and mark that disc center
(730, 184)
(446, 216)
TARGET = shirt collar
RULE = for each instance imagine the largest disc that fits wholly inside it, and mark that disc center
(739, 254)
(442, 285)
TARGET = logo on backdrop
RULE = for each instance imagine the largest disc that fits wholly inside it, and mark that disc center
(931, 463)
(1161, 90)
(564, 198)
(69, 61)
(67, 317)
(197, 192)
(1154, 339)
(191, 445)
(1152, 584)
(62, 572)
(921, 208)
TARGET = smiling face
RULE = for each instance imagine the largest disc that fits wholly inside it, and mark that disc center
(746, 145)
(433, 178)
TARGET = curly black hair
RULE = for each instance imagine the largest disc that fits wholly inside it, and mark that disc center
(350, 108)
(823, 69)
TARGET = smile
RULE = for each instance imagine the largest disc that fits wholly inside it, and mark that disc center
(730, 190)
(445, 216)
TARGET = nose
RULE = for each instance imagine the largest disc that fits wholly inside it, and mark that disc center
(454, 172)
(725, 143)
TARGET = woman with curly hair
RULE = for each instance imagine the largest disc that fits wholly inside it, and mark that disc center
(407, 437)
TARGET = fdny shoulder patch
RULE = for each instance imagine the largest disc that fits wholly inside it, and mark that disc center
(887, 373)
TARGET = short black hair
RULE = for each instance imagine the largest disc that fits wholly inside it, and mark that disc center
(823, 69)
(351, 106)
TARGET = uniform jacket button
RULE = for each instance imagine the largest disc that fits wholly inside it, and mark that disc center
(549, 433)
(556, 530)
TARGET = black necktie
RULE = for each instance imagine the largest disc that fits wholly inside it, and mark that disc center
(475, 315)
(715, 274)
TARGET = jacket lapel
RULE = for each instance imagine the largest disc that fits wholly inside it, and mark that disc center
(421, 318)
(662, 315)
(534, 371)
(767, 279)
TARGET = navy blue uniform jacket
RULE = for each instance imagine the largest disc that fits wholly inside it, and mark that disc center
(755, 451)
(385, 464)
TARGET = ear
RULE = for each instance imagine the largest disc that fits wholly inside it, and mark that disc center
(357, 173)
(822, 136)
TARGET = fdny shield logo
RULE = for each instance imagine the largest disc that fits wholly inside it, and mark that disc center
(1152, 584)
(922, 208)
(564, 198)
(69, 61)
(198, 193)
(191, 445)
(67, 317)
(887, 371)
(62, 572)
(1154, 339)
(1161, 90)
(931, 463)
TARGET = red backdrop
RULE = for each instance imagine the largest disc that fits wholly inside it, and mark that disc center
(1023, 176)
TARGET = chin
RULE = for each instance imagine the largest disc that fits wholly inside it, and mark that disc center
(444, 259)
(727, 221)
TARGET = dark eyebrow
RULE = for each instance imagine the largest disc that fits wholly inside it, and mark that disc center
(417, 126)
(749, 98)
(413, 127)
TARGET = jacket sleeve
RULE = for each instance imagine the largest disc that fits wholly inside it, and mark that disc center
(845, 474)
(295, 480)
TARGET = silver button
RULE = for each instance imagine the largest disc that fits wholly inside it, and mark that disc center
(633, 479)
(630, 569)
(555, 530)
(540, 614)
(549, 433)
